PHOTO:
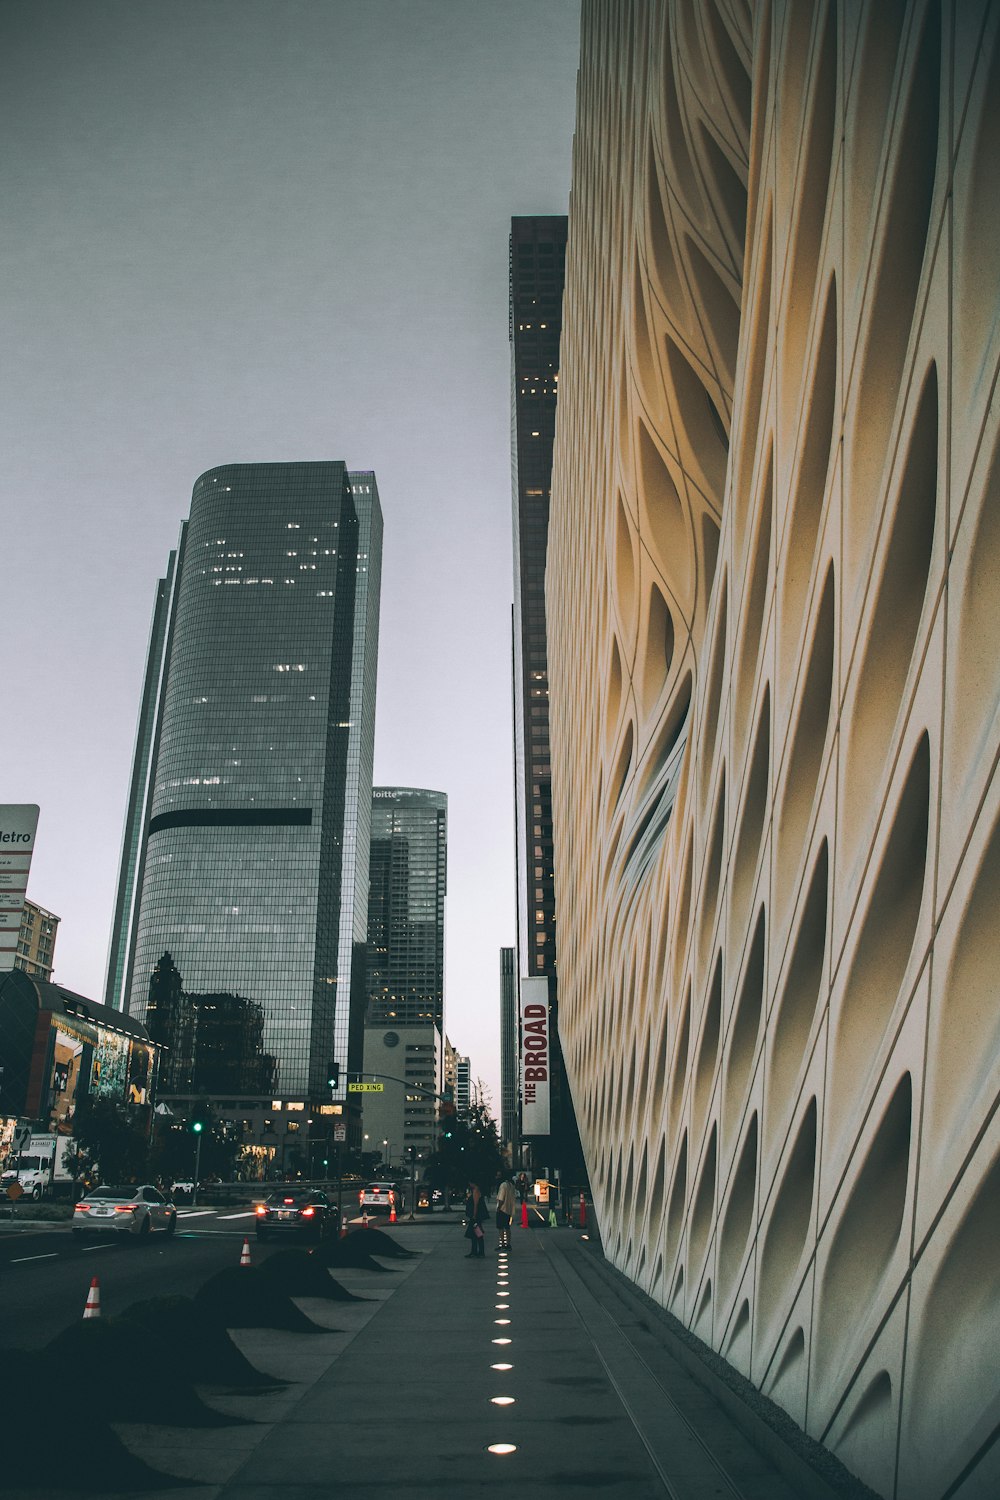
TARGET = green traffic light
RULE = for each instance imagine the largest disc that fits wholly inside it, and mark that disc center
(197, 1127)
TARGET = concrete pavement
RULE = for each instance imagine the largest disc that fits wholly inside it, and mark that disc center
(555, 1359)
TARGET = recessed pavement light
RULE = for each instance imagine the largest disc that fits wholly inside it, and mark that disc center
(503, 1341)
(502, 1400)
(501, 1367)
(502, 1448)
(502, 1306)
(501, 1322)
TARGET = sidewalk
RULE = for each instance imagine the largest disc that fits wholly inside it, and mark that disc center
(404, 1396)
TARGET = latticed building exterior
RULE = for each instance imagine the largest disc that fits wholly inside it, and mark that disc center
(774, 657)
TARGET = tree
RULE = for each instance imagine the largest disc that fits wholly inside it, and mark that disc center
(111, 1139)
(468, 1149)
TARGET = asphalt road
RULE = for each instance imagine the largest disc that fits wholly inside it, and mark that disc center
(45, 1274)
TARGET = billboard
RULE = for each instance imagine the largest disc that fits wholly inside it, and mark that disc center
(535, 1070)
(18, 824)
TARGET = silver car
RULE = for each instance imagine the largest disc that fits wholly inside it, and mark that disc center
(124, 1210)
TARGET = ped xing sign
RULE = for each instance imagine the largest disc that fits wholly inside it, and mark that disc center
(535, 1071)
(18, 824)
(366, 1088)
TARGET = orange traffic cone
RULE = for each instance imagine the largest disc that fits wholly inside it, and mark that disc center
(524, 1214)
(364, 1217)
(93, 1307)
(392, 1214)
(245, 1253)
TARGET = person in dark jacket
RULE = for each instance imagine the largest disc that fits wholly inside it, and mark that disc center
(476, 1214)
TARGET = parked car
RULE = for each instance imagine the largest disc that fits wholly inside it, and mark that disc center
(127, 1210)
(297, 1211)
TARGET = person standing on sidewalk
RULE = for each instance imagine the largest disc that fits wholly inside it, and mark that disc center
(476, 1214)
(505, 1212)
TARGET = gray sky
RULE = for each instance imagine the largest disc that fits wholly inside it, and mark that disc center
(243, 230)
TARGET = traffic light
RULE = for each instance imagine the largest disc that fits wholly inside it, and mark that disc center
(333, 1075)
(197, 1126)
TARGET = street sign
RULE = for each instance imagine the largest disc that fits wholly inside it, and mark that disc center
(366, 1088)
(340, 1132)
(15, 1191)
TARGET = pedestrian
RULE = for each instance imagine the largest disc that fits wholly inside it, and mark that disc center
(476, 1214)
(505, 1211)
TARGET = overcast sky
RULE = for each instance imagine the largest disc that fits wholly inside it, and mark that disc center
(246, 230)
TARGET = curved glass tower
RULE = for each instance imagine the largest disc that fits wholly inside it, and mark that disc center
(246, 844)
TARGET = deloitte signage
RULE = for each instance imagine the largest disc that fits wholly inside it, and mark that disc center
(18, 822)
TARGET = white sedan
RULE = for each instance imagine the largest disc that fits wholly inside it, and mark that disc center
(124, 1210)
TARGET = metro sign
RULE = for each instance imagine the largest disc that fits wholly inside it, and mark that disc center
(18, 823)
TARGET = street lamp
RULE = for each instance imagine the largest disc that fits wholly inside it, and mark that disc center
(197, 1127)
(385, 1153)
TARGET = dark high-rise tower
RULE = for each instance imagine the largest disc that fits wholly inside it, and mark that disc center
(408, 864)
(508, 1048)
(537, 273)
(246, 844)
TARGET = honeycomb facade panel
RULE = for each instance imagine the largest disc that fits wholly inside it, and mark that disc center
(775, 710)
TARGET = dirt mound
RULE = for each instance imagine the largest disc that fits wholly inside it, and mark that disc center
(349, 1255)
(242, 1297)
(112, 1359)
(195, 1346)
(82, 1452)
(299, 1274)
(377, 1242)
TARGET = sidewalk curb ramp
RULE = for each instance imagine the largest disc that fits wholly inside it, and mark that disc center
(99, 1356)
(188, 1342)
(240, 1297)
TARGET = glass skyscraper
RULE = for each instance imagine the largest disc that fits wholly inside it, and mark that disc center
(245, 856)
(409, 866)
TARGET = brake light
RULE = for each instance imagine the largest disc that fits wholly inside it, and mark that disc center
(82, 1208)
(392, 1197)
(261, 1208)
(307, 1213)
(288, 1200)
(361, 1196)
(126, 1208)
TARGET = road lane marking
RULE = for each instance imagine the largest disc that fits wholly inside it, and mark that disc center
(195, 1213)
(88, 1248)
(20, 1259)
(250, 1214)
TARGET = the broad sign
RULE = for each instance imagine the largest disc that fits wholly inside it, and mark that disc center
(535, 1066)
(18, 823)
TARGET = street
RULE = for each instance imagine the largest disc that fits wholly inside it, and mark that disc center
(45, 1273)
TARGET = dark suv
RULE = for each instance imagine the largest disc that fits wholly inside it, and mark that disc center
(294, 1211)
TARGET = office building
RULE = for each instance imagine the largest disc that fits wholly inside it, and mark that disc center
(463, 1086)
(408, 866)
(775, 714)
(36, 941)
(508, 1051)
(537, 272)
(245, 858)
(403, 1116)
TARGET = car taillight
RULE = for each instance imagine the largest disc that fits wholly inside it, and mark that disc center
(82, 1208)
(392, 1197)
(261, 1208)
(126, 1208)
(307, 1213)
(288, 1201)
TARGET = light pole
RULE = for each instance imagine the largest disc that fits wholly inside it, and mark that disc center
(386, 1154)
(197, 1127)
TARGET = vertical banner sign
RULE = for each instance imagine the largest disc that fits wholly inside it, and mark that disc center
(18, 823)
(535, 1057)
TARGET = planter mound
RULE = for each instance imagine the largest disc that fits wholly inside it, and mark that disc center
(377, 1242)
(349, 1255)
(83, 1453)
(194, 1346)
(112, 1358)
(242, 1297)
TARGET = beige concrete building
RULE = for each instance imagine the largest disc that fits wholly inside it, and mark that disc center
(774, 648)
(36, 941)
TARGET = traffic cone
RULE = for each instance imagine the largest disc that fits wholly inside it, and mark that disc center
(392, 1214)
(93, 1307)
(524, 1214)
(364, 1217)
(245, 1253)
(583, 1212)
